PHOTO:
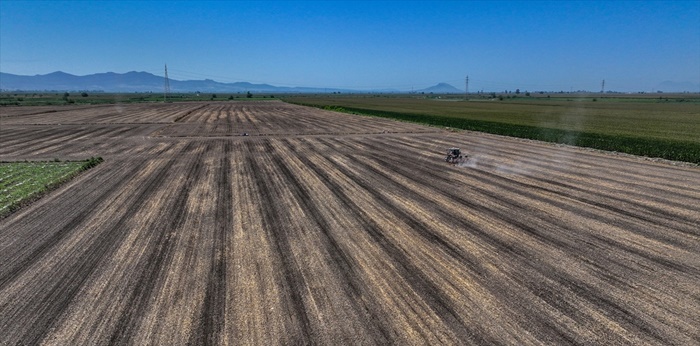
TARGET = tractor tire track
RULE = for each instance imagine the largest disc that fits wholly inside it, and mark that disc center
(213, 313)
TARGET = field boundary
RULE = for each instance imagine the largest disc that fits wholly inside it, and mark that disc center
(48, 187)
(655, 148)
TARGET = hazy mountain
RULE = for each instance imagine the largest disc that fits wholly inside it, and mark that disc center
(134, 82)
(146, 82)
(441, 88)
(61, 81)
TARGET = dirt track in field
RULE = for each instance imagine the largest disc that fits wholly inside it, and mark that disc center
(328, 228)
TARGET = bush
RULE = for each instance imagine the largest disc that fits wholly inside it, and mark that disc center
(91, 162)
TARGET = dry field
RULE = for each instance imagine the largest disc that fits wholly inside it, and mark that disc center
(328, 228)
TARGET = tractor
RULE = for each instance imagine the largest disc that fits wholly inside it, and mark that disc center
(455, 156)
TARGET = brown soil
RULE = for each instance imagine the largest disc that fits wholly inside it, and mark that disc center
(328, 228)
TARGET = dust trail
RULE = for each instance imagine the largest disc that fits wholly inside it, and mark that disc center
(509, 167)
(469, 162)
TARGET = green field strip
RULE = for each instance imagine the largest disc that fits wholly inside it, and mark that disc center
(669, 149)
(23, 182)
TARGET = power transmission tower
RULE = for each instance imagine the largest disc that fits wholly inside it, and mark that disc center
(466, 88)
(166, 89)
(602, 87)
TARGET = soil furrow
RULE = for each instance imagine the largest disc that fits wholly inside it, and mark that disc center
(212, 319)
(421, 284)
(344, 264)
(161, 247)
(274, 226)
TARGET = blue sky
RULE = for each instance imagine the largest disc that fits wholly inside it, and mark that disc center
(558, 45)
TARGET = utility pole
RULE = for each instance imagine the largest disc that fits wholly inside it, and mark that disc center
(166, 87)
(466, 88)
(602, 87)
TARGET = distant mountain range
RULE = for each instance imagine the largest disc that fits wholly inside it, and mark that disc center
(442, 88)
(129, 82)
(147, 82)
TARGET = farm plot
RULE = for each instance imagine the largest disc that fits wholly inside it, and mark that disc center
(266, 118)
(99, 114)
(20, 182)
(327, 228)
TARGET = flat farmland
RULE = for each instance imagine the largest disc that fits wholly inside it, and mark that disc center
(328, 228)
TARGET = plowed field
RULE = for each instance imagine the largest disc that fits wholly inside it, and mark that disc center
(329, 228)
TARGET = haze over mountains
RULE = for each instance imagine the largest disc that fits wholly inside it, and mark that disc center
(147, 82)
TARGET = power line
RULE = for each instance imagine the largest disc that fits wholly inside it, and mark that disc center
(466, 88)
(166, 88)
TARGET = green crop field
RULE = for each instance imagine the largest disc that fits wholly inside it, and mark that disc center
(656, 126)
(21, 182)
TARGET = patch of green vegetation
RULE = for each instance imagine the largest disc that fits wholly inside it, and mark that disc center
(668, 131)
(22, 182)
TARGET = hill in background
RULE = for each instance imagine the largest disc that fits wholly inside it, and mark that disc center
(442, 88)
(146, 82)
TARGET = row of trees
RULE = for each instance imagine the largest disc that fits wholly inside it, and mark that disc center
(247, 95)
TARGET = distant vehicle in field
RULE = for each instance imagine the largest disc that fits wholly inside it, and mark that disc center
(454, 156)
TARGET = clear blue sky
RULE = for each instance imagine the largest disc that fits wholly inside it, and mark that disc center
(501, 45)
